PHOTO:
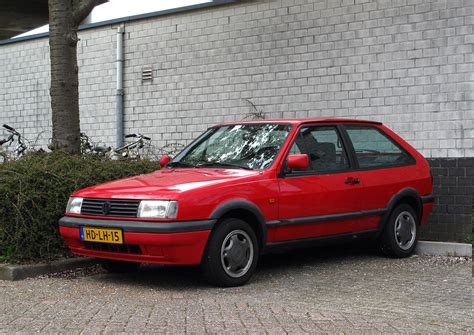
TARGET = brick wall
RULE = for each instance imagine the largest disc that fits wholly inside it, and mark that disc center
(407, 63)
(24, 88)
(453, 187)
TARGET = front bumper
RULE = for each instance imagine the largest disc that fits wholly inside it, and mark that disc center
(163, 242)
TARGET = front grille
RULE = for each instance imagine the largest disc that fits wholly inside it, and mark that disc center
(110, 207)
(109, 247)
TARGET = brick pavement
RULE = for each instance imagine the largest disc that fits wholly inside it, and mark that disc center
(307, 291)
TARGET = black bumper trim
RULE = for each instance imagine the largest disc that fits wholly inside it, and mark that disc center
(140, 226)
(427, 199)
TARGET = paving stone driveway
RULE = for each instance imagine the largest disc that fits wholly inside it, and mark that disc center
(307, 291)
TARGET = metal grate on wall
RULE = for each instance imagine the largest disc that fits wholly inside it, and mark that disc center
(147, 74)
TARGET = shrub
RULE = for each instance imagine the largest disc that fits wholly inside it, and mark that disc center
(33, 195)
(469, 238)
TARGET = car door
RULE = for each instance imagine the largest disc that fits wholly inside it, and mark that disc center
(324, 200)
(384, 168)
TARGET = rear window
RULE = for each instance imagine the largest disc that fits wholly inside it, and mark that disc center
(373, 148)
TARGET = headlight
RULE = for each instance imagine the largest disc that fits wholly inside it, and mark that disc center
(162, 209)
(74, 205)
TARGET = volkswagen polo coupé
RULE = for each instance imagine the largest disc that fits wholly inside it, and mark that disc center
(241, 189)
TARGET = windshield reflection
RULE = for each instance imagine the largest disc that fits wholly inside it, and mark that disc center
(244, 146)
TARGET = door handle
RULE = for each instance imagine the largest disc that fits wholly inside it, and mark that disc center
(352, 181)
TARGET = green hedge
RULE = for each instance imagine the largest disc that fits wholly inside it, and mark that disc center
(33, 195)
(469, 238)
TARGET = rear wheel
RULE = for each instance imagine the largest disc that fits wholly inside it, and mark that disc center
(114, 266)
(400, 234)
(231, 254)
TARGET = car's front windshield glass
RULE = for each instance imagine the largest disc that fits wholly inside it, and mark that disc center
(247, 146)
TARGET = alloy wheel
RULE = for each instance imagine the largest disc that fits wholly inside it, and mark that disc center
(237, 253)
(405, 230)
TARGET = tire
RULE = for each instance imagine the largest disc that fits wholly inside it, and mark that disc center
(113, 266)
(231, 254)
(400, 234)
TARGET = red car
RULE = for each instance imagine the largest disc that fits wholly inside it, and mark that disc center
(245, 188)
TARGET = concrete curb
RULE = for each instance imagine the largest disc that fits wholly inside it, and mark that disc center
(17, 272)
(444, 249)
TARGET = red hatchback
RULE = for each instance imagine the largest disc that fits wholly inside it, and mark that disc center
(244, 188)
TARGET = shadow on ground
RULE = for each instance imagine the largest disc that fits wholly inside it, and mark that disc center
(270, 266)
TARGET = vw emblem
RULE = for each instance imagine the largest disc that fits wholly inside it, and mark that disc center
(106, 208)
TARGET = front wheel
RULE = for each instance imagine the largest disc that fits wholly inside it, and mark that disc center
(400, 234)
(231, 254)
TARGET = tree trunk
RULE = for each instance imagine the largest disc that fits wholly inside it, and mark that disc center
(64, 19)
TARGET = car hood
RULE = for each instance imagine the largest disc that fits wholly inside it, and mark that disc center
(165, 183)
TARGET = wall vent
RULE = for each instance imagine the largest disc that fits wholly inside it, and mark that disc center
(147, 74)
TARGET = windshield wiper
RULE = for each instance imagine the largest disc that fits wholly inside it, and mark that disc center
(222, 164)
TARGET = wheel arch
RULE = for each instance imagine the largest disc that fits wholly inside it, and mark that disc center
(247, 211)
(407, 195)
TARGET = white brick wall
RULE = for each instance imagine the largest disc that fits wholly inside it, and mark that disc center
(407, 63)
(24, 88)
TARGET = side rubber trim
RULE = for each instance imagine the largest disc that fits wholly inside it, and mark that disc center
(330, 217)
(315, 241)
(245, 205)
(426, 199)
(139, 226)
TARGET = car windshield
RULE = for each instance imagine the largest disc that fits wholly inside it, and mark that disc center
(245, 146)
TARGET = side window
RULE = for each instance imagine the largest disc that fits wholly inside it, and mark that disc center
(375, 149)
(324, 147)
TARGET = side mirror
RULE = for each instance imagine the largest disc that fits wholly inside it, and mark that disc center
(164, 160)
(300, 162)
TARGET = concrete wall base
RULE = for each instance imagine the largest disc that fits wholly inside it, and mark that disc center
(444, 249)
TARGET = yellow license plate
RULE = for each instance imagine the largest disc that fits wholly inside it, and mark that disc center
(103, 235)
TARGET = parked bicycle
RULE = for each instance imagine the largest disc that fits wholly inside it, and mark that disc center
(140, 148)
(16, 139)
(90, 148)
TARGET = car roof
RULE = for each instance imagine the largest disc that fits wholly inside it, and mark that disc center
(302, 121)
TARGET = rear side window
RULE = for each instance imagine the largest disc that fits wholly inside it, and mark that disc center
(375, 149)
